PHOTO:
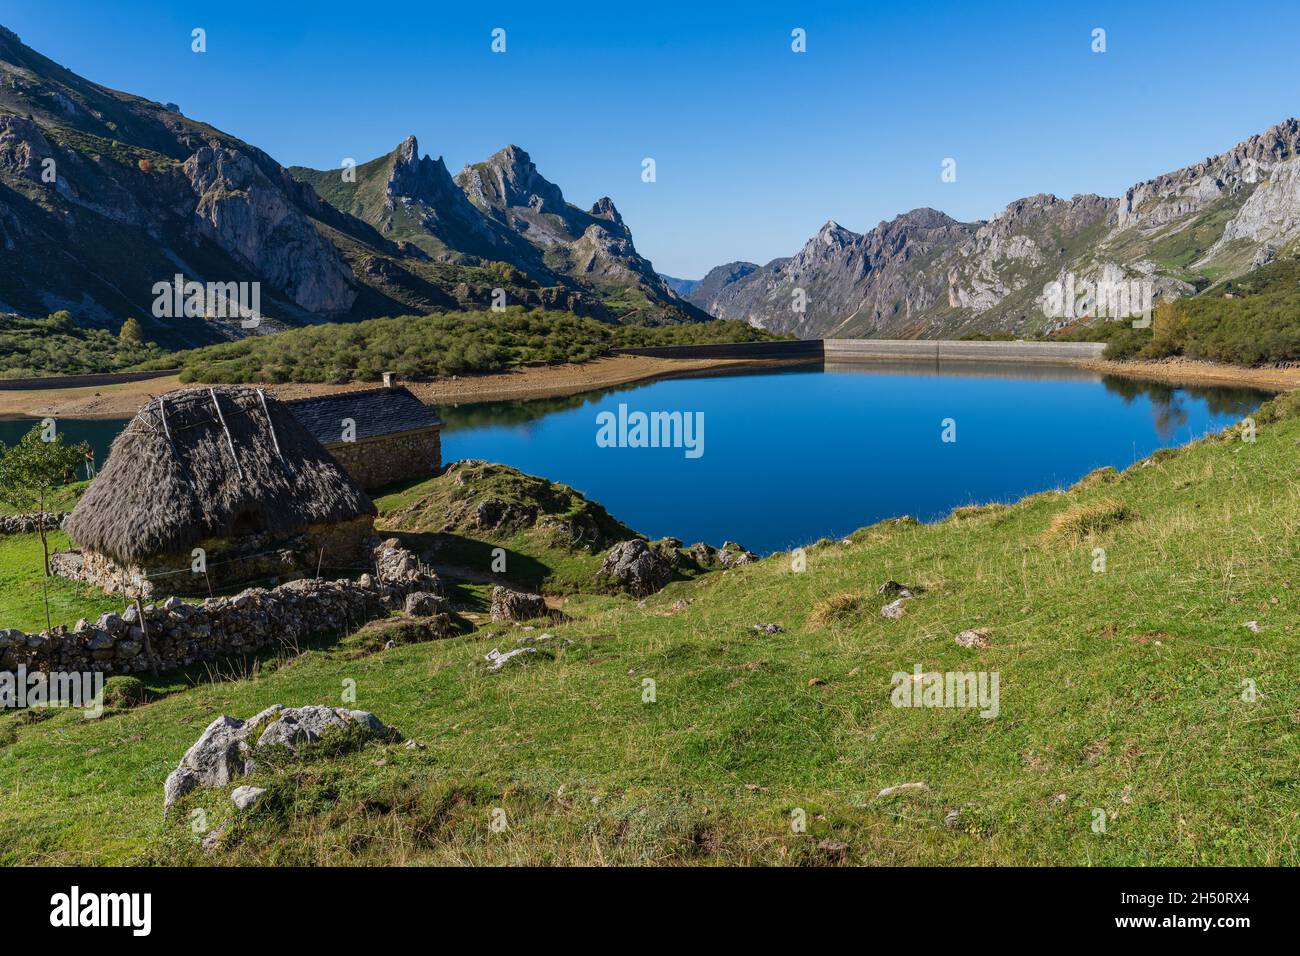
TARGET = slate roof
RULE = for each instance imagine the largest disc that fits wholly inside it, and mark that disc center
(378, 412)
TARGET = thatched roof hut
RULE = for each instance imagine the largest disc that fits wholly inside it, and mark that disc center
(210, 463)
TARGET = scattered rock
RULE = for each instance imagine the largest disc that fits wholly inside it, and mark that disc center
(222, 752)
(681, 604)
(510, 605)
(768, 628)
(633, 566)
(977, 638)
(893, 610)
(893, 588)
(918, 787)
(423, 604)
(497, 660)
(245, 796)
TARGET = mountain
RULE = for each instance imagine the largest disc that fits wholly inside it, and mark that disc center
(683, 287)
(924, 274)
(104, 195)
(503, 210)
(592, 246)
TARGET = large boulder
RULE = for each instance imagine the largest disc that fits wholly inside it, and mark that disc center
(510, 605)
(633, 566)
(222, 753)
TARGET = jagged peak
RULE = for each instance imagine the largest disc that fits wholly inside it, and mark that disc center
(603, 208)
(408, 150)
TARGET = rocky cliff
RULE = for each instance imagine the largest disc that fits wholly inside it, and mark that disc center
(103, 195)
(924, 274)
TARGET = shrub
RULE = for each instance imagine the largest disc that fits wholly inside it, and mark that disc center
(124, 692)
(1081, 521)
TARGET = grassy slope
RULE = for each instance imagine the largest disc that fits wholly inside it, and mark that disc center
(21, 604)
(1120, 690)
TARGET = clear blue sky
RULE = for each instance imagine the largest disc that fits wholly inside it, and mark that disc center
(755, 146)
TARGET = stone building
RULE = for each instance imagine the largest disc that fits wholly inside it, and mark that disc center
(379, 435)
(209, 487)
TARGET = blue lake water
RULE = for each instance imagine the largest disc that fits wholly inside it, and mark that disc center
(793, 456)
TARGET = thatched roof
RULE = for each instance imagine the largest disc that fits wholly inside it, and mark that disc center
(377, 412)
(177, 475)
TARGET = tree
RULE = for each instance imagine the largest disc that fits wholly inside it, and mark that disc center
(30, 471)
(131, 331)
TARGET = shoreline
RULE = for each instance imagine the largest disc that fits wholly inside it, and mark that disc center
(1180, 371)
(518, 384)
(550, 381)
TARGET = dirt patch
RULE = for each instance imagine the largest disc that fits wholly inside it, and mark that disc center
(124, 400)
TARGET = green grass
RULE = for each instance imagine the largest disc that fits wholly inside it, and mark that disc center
(21, 603)
(1120, 691)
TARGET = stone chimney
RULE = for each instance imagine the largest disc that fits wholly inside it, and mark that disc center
(389, 380)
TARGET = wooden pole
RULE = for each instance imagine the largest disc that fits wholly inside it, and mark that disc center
(226, 428)
(148, 648)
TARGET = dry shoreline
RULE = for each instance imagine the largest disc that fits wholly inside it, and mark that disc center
(122, 401)
(1181, 371)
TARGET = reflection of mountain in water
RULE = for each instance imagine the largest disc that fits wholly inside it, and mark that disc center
(1168, 402)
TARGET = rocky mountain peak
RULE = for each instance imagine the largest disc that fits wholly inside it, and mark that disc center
(603, 208)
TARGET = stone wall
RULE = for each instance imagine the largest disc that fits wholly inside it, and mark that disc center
(175, 634)
(376, 462)
(27, 524)
(332, 546)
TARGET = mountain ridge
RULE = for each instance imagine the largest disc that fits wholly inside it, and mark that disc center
(925, 274)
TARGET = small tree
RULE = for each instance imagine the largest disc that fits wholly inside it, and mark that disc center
(131, 331)
(30, 471)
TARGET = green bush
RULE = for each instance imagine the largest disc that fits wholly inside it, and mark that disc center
(435, 346)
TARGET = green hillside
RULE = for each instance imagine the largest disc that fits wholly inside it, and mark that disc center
(1158, 696)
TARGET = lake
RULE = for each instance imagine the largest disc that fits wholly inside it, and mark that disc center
(788, 457)
(793, 456)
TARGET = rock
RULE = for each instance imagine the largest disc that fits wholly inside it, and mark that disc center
(292, 728)
(896, 590)
(222, 753)
(423, 604)
(216, 759)
(211, 841)
(732, 555)
(977, 638)
(918, 787)
(497, 660)
(510, 605)
(634, 567)
(244, 797)
(893, 610)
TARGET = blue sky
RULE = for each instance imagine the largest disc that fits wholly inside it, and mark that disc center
(755, 146)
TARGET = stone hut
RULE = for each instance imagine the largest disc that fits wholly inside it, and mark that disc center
(227, 470)
(379, 435)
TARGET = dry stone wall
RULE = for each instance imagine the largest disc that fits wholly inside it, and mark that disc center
(175, 634)
(29, 523)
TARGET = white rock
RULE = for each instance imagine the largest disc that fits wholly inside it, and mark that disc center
(246, 796)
